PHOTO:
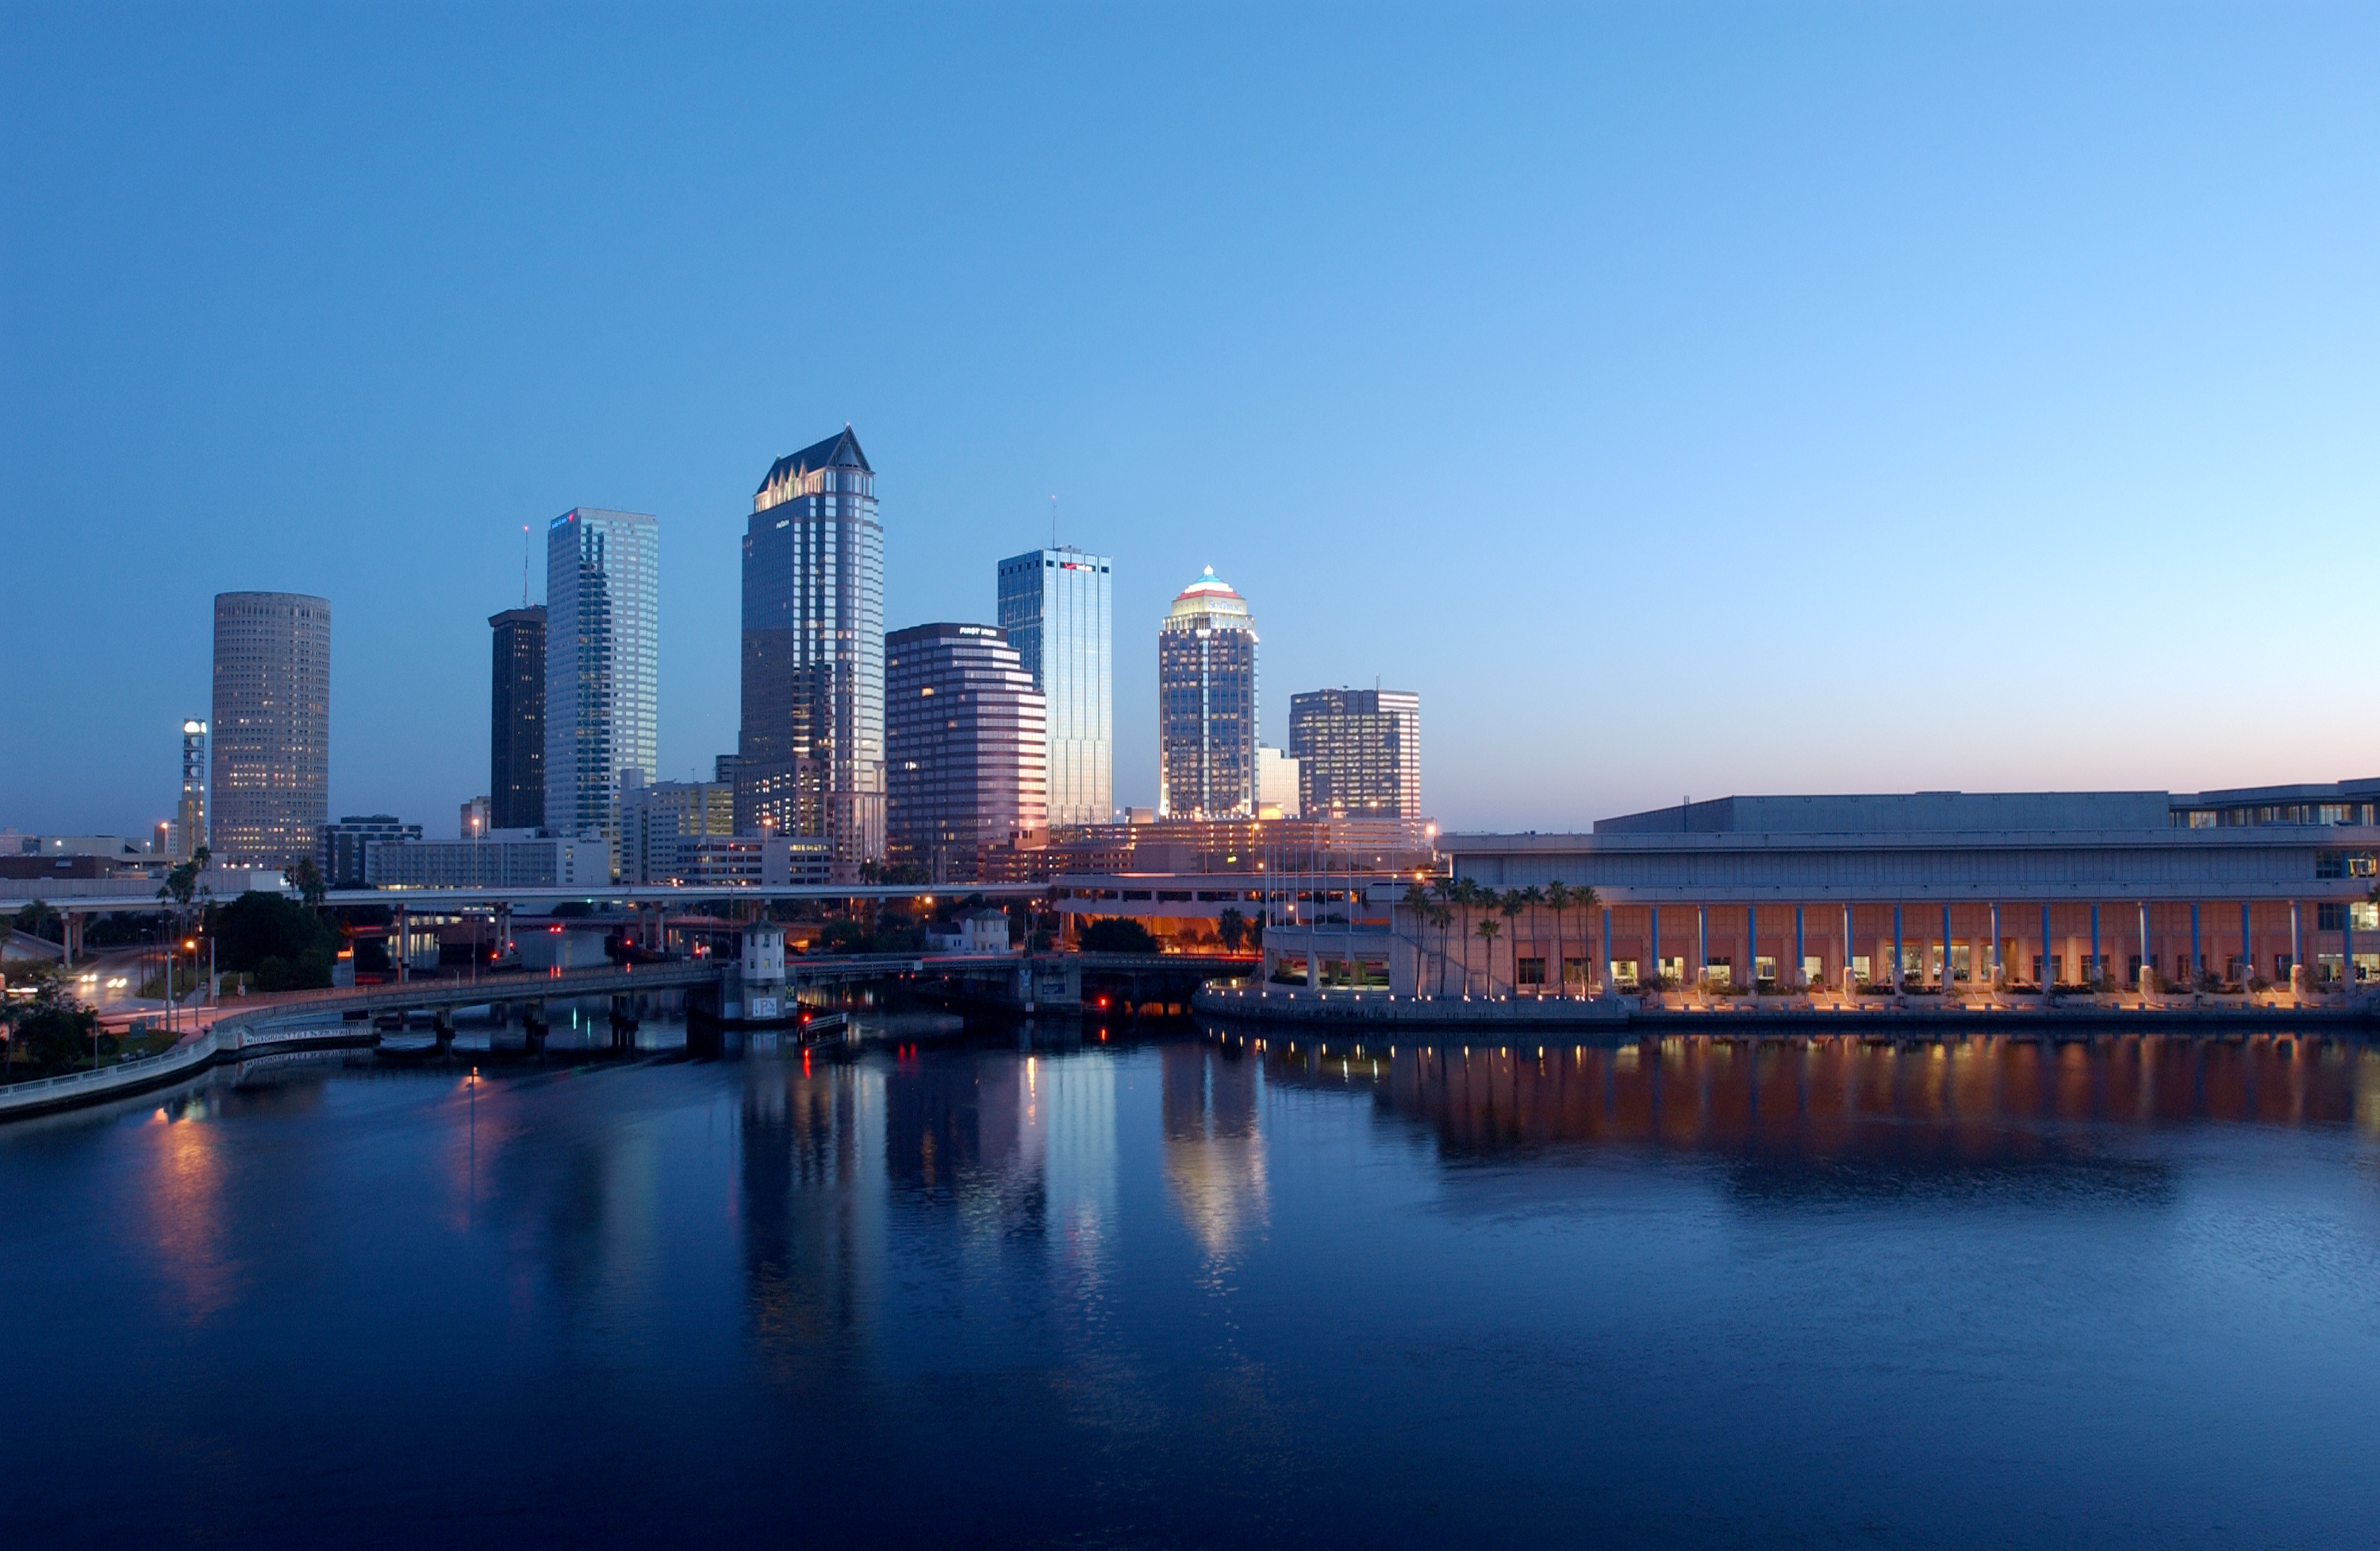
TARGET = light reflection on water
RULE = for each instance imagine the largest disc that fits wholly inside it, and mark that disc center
(1190, 1292)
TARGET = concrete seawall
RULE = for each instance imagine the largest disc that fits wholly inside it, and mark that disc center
(229, 1042)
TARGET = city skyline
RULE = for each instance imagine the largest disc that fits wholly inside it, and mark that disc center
(1790, 380)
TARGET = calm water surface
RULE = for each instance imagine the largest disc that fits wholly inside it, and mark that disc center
(1194, 1293)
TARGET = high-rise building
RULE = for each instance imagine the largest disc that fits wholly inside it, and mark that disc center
(965, 742)
(1054, 606)
(517, 721)
(656, 820)
(189, 830)
(1206, 705)
(1276, 786)
(810, 756)
(472, 817)
(603, 627)
(269, 783)
(1358, 753)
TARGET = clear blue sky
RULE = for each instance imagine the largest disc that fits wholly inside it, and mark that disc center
(1682, 399)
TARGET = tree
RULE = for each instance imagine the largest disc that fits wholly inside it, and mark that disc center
(1532, 896)
(1116, 934)
(285, 945)
(1557, 897)
(306, 878)
(1444, 918)
(1232, 927)
(36, 919)
(49, 1027)
(1584, 898)
(1488, 930)
(1514, 902)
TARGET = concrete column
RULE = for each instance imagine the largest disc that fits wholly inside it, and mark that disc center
(1702, 944)
(2197, 954)
(1653, 941)
(2049, 969)
(1844, 969)
(2247, 948)
(1801, 951)
(2094, 976)
(1898, 952)
(403, 967)
(1942, 975)
(1991, 969)
(1751, 946)
(2297, 949)
(1604, 981)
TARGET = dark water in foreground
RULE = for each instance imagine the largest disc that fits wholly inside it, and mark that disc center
(1190, 1293)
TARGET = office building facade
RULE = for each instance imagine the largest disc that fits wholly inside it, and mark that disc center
(1054, 605)
(505, 859)
(967, 742)
(343, 850)
(810, 753)
(268, 777)
(517, 721)
(655, 819)
(602, 689)
(190, 826)
(1358, 753)
(1278, 794)
(1206, 705)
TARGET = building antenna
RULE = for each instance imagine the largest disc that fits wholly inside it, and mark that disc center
(1053, 522)
(524, 566)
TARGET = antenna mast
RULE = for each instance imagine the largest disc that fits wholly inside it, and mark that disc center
(524, 566)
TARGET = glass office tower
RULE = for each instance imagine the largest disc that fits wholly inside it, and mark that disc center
(1053, 604)
(603, 673)
(1358, 753)
(269, 784)
(964, 739)
(1206, 705)
(810, 757)
(517, 721)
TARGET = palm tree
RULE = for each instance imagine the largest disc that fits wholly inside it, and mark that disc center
(1585, 899)
(1417, 901)
(1487, 930)
(1558, 897)
(1514, 902)
(1445, 891)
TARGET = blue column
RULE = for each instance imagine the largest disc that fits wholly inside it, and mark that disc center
(2049, 975)
(1751, 946)
(1654, 947)
(2197, 958)
(2144, 908)
(1801, 947)
(1701, 943)
(1942, 980)
(1898, 958)
(1992, 965)
(1606, 949)
(2092, 977)
(2247, 948)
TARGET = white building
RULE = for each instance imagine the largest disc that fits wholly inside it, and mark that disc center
(602, 684)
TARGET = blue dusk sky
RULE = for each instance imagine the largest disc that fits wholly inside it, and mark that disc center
(1683, 399)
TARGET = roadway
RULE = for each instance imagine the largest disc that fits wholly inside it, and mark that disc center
(104, 896)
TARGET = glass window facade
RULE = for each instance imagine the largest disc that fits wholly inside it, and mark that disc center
(966, 738)
(1206, 705)
(517, 721)
(810, 756)
(603, 672)
(270, 781)
(1054, 606)
(1358, 753)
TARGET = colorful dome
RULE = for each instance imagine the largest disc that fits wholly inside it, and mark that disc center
(1208, 595)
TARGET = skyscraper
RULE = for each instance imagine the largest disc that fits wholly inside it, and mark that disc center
(191, 815)
(1053, 604)
(966, 739)
(517, 721)
(1358, 753)
(270, 780)
(602, 624)
(810, 757)
(1206, 705)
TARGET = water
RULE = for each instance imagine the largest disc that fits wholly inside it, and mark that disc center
(1192, 1294)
